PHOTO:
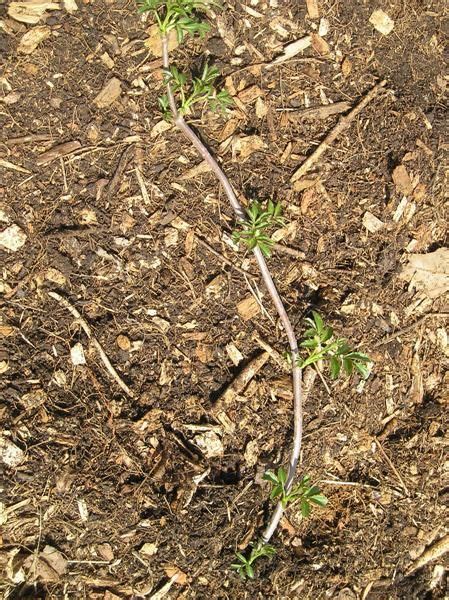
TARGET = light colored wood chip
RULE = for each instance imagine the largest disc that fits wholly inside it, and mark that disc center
(291, 50)
(199, 169)
(153, 42)
(248, 308)
(402, 180)
(109, 94)
(428, 273)
(31, 11)
(372, 223)
(32, 38)
(313, 9)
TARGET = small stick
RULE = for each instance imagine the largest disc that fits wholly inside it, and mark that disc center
(242, 380)
(289, 251)
(434, 551)
(408, 329)
(88, 331)
(342, 125)
(393, 468)
(222, 257)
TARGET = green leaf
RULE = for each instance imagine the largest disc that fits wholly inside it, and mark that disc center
(319, 499)
(306, 509)
(318, 321)
(335, 366)
(309, 343)
(249, 571)
(270, 476)
(282, 475)
(348, 366)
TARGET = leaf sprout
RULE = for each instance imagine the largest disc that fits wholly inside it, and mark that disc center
(304, 492)
(254, 232)
(245, 566)
(321, 344)
(201, 91)
(178, 15)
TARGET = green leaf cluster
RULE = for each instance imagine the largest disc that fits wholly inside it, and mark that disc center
(245, 566)
(321, 344)
(304, 492)
(254, 232)
(179, 15)
(202, 90)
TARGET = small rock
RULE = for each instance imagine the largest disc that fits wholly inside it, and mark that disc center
(381, 22)
(109, 94)
(10, 454)
(77, 355)
(210, 444)
(123, 342)
(12, 238)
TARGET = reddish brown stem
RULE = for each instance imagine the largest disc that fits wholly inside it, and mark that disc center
(269, 283)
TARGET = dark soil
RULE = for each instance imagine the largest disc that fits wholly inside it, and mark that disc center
(102, 473)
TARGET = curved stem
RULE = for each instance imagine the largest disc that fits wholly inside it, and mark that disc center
(269, 283)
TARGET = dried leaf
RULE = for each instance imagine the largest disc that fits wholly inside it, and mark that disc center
(31, 39)
(210, 444)
(32, 11)
(402, 180)
(10, 454)
(153, 43)
(428, 273)
(319, 44)
(245, 146)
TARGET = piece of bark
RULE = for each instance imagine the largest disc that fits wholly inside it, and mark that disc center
(109, 94)
(320, 112)
(57, 152)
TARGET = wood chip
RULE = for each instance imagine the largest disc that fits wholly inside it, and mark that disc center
(402, 180)
(319, 44)
(428, 273)
(31, 39)
(291, 50)
(381, 22)
(313, 9)
(31, 11)
(199, 169)
(234, 354)
(153, 43)
(248, 308)
(372, 223)
(57, 152)
(109, 94)
(320, 112)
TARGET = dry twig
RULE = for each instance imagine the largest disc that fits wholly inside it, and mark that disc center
(88, 331)
(343, 124)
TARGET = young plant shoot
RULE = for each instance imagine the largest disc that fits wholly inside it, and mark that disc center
(183, 95)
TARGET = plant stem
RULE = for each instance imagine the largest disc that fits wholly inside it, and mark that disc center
(269, 283)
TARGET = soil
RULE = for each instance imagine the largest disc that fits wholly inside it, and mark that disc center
(119, 225)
